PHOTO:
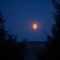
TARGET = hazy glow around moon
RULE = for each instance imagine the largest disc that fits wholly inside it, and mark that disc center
(35, 26)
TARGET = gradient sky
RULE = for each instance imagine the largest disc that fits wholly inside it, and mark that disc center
(21, 14)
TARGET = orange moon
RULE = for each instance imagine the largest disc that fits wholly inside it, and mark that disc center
(35, 26)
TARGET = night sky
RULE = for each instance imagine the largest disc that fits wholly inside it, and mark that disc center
(21, 14)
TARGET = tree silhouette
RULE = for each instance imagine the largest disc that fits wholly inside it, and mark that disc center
(53, 47)
(2, 28)
(9, 47)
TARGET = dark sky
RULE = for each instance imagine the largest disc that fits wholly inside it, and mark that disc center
(21, 14)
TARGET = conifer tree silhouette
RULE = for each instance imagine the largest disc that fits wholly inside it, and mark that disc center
(2, 28)
(9, 47)
(53, 50)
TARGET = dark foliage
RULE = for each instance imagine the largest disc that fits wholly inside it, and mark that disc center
(52, 52)
(10, 49)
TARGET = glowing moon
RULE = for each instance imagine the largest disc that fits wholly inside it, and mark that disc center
(35, 26)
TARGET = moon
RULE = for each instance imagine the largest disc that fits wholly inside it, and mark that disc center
(35, 26)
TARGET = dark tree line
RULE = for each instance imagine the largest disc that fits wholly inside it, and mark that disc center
(52, 49)
(10, 49)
